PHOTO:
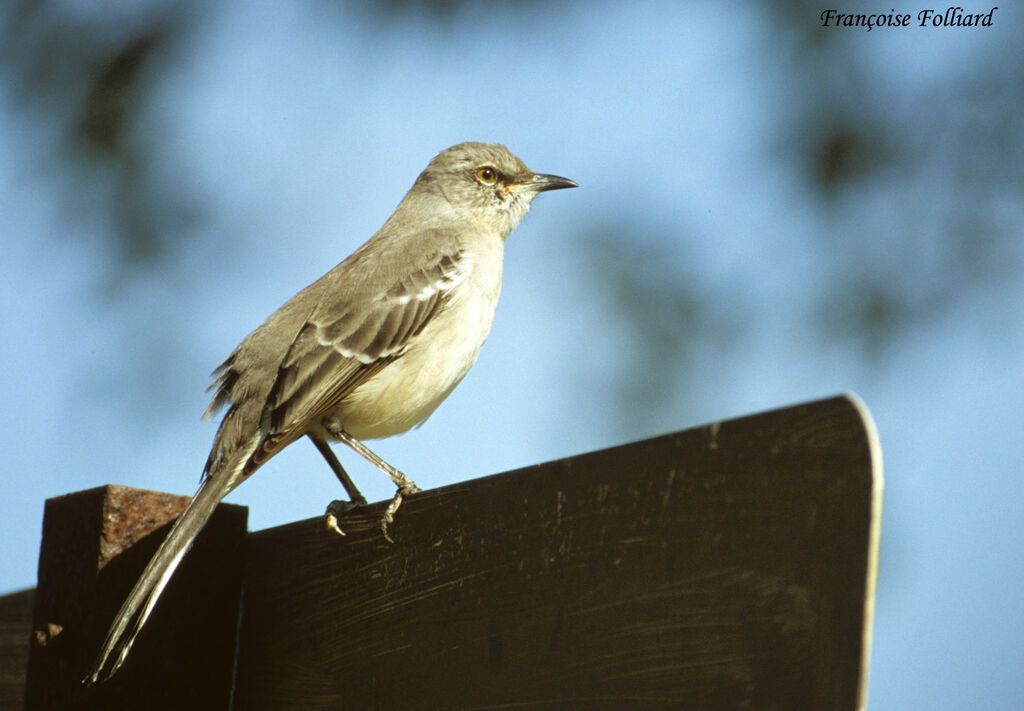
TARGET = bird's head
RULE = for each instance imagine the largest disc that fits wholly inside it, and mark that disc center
(487, 184)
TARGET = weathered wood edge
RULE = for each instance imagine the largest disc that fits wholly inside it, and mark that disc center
(874, 543)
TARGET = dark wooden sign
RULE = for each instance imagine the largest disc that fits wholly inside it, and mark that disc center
(730, 566)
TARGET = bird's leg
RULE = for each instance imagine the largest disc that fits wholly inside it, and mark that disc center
(337, 506)
(405, 484)
(355, 497)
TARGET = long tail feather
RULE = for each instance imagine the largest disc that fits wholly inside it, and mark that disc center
(140, 602)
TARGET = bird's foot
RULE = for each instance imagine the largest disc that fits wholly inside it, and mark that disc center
(392, 508)
(335, 509)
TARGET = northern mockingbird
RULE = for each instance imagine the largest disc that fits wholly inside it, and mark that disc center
(368, 350)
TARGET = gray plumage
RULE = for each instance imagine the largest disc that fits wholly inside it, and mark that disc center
(369, 350)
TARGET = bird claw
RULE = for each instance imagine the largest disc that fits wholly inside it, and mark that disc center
(331, 521)
(335, 509)
(392, 509)
(338, 507)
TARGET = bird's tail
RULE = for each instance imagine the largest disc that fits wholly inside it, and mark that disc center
(139, 604)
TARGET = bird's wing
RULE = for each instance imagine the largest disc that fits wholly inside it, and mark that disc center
(347, 340)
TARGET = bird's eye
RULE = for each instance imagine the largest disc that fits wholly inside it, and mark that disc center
(487, 176)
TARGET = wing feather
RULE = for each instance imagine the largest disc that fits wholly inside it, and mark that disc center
(312, 353)
(343, 344)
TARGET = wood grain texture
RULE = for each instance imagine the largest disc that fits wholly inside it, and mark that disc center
(725, 567)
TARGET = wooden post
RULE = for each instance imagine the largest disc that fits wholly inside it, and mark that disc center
(95, 545)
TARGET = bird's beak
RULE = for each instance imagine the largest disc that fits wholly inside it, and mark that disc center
(541, 182)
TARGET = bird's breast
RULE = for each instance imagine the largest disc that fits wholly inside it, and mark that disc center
(408, 390)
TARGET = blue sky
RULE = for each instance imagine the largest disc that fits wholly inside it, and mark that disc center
(282, 138)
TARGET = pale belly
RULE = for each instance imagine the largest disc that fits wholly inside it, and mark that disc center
(406, 392)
